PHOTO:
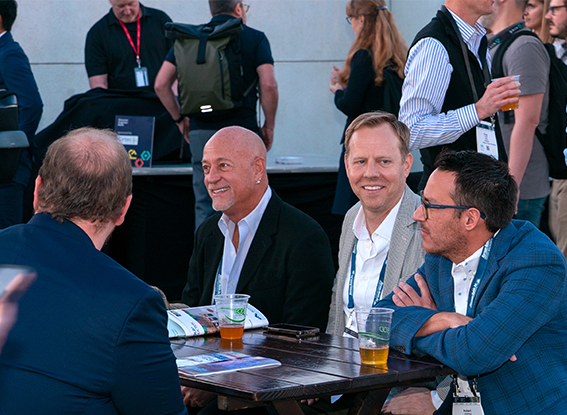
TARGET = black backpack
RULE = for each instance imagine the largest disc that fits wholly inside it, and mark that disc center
(209, 67)
(554, 141)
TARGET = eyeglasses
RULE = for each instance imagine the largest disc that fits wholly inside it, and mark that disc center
(349, 19)
(245, 6)
(427, 206)
(553, 8)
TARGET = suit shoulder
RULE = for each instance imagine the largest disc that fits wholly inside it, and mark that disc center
(298, 219)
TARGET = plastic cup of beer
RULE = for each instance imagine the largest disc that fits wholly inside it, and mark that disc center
(231, 312)
(374, 335)
(513, 105)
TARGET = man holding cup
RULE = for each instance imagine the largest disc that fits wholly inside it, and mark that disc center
(524, 56)
(493, 303)
(447, 97)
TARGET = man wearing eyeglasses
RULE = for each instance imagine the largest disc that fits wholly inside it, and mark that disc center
(557, 18)
(490, 299)
(257, 65)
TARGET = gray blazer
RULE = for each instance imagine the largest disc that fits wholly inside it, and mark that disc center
(405, 256)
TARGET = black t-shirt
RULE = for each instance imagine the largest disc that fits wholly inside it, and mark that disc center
(108, 50)
(255, 50)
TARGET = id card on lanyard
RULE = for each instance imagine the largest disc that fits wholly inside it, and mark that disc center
(350, 325)
(485, 134)
(140, 73)
(467, 402)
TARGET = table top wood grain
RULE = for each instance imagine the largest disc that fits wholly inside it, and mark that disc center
(321, 366)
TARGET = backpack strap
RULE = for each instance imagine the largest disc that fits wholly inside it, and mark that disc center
(505, 41)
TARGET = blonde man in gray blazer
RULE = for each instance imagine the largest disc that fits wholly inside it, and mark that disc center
(380, 243)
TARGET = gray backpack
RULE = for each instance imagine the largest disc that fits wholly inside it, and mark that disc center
(209, 67)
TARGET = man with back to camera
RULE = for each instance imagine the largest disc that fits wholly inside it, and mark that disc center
(90, 337)
(256, 244)
(492, 304)
(125, 49)
(442, 104)
(380, 243)
(525, 56)
(257, 64)
(16, 76)
(557, 17)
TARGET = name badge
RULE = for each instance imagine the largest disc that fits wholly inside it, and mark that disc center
(142, 79)
(470, 408)
(351, 329)
(486, 139)
(466, 401)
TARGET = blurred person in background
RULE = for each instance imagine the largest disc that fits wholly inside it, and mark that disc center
(534, 16)
(377, 54)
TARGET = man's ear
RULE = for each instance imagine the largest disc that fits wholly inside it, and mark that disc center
(38, 185)
(472, 218)
(120, 219)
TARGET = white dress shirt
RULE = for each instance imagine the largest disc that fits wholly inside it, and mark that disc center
(428, 74)
(371, 251)
(233, 260)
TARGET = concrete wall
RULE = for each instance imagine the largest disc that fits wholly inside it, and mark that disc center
(307, 37)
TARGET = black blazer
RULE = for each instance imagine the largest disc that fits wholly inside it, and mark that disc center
(288, 272)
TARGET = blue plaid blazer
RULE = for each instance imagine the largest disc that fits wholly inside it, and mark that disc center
(520, 308)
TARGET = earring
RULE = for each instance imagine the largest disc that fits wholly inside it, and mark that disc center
(258, 181)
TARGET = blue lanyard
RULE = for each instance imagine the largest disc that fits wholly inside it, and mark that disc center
(379, 286)
(218, 288)
(480, 270)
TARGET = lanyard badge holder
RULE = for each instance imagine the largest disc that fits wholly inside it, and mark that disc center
(350, 324)
(140, 73)
(465, 402)
(485, 133)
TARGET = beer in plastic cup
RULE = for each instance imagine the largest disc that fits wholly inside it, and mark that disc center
(374, 335)
(231, 312)
(513, 105)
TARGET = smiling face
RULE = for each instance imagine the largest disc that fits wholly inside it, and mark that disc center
(232, 172)
(377, 171)
(557, 21)
(125, 10)
(442, 232)
(533, 13)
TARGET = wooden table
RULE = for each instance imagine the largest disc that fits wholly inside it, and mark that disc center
(322, 366)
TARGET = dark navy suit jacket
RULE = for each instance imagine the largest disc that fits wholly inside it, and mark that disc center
(90, 338)
(16, 76)
(288, 271)
(520, 309)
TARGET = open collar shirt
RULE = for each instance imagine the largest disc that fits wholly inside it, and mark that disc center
(232, 260)
(371, 251)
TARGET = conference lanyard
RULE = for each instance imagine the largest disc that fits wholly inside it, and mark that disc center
(136, 50)
(465, 51)
(480, 270)
(218, 288)
(379, 286)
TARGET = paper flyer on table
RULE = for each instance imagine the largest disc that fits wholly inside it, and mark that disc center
(198, 321)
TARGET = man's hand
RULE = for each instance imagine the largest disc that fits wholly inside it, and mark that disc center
(412, 401)
(442, 321)
(405, 295)
(183, 126)
(196, 397)
(268, 134)
(496, 96)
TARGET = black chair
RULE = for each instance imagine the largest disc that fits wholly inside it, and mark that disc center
(12, 141)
